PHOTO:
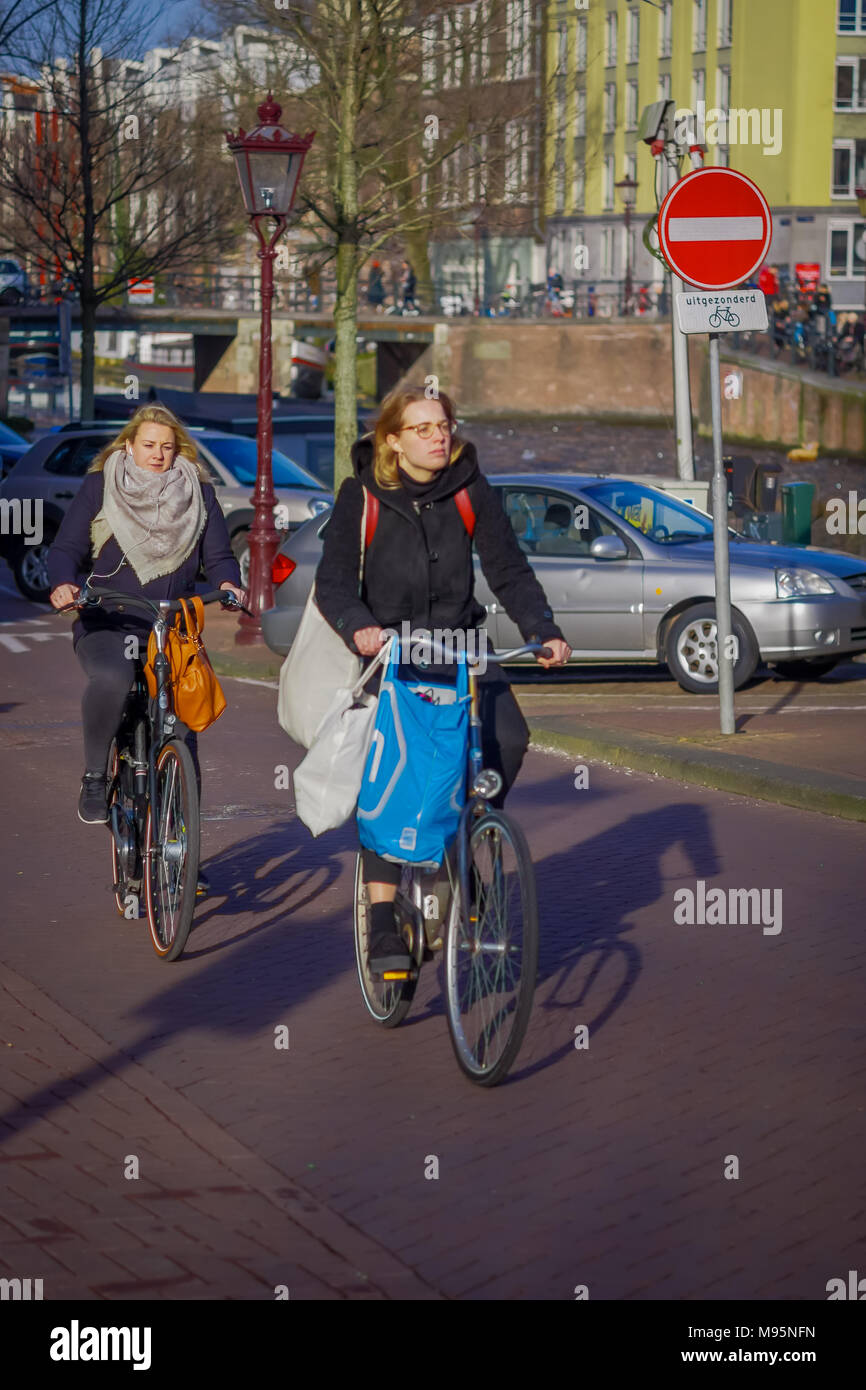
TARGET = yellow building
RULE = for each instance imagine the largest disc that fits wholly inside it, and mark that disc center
(773, 88)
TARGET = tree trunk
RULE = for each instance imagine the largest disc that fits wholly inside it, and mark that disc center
(346, 305)
(88, 329)
(418, 253)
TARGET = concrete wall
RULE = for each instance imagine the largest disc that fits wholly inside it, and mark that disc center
(623, 370)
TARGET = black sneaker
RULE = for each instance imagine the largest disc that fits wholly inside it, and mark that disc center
(202, 887)
(93, 799)
(388, 952)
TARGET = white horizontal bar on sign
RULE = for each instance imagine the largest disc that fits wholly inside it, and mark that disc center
(715, 229)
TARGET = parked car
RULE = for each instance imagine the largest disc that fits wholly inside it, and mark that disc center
(628, 570)
(12, 448)
(13, 282)
(51, 471)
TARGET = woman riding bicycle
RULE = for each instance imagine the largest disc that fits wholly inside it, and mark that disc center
(144, 521)
(418, 569)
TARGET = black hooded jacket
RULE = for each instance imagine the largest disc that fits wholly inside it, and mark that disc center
(418, 567)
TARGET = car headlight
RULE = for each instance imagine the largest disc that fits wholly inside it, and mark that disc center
(791, 583)
(317, 505)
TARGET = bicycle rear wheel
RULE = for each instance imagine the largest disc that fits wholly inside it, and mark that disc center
(491, 951)
(387, 1001)
(125, 860)
(171, 851)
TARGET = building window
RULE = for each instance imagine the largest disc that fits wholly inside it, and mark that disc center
(847, 250)
(699, 26)
(581, 46)
(428, 54)
(519, 45)
(723, 89)
(723, 156)
(561, 50)
(609, 177)
(632, 35)
(609, 108)
(516, 162)
(724, 33)
(631, 105)
(559, 177)
(579, 186)
(580, 112)
(610, 39)
(699, 84)
(851, 17)
(607, 253)
(850, 84)
(666, 29)
(849, 167)
(664, 88)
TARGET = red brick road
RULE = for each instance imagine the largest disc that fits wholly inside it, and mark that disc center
(305, 1167)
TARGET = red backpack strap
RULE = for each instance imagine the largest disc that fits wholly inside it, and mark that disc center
(372, 518)
(464, 506)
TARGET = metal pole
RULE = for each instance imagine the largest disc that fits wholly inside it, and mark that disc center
(682, 392)
(726, 656)
(264, 537)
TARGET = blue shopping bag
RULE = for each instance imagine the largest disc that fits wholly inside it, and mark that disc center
(414, 783)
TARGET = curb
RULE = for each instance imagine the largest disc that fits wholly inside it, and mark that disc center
(807, 790)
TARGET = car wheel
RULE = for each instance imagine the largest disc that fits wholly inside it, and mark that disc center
(691, 650)
(808, 669)
(241, 549)
(30, 570)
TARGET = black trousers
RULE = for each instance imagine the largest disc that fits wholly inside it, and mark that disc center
(110, 673)
(504, 741)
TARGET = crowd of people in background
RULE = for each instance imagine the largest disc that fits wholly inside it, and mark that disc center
(804, 321)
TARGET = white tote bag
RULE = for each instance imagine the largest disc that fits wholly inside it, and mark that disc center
(328, 781)
(318, 664)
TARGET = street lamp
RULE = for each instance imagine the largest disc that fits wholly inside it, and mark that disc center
(269, 161)
(627, 191)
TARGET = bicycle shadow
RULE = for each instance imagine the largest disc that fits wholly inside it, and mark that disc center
(587, 895)
(276, 964)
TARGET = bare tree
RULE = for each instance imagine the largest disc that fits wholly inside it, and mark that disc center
(360, 73)
(122, 184)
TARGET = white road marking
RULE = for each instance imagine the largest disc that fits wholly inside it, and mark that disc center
(13, 643)
(250, 680)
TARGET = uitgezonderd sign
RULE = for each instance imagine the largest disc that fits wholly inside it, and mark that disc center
(721, 311)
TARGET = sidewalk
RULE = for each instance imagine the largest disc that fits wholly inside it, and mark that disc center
(796, 744)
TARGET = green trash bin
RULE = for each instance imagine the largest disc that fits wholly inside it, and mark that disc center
(797, 500)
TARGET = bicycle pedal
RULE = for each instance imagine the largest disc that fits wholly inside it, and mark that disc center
(400, 975)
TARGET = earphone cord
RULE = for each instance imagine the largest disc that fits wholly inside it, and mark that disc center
(123, 557)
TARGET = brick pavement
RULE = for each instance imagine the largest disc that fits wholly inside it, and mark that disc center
(603, 1167)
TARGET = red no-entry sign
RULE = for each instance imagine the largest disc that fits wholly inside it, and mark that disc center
(715, 228)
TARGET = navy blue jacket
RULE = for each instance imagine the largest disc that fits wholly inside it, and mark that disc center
(70, 560)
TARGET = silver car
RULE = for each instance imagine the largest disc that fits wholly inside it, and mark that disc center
(51, 471)
(628, 570)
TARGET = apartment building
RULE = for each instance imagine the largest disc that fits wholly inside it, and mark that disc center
(777, 90)
(490, 190)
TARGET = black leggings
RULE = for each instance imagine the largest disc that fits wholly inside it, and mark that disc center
(504, 741)
(110, 673)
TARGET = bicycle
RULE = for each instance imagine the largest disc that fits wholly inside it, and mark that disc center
(723, 313)
(152, 793)
(480, 911)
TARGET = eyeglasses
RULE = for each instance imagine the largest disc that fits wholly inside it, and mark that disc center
(425, 430)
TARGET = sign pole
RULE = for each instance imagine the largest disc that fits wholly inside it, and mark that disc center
(682, 388)
(726, 656)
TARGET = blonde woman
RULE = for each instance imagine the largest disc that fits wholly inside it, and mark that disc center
(418, 569)
(144, 521)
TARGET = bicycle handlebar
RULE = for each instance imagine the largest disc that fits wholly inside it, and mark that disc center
(437, 650)
(158, 608)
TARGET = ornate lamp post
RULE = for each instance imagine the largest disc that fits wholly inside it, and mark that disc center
(269, 161)
(627, 191)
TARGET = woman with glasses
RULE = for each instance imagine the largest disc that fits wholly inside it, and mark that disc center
(418, 570)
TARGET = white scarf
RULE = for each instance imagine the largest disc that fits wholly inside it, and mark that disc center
(156, 518)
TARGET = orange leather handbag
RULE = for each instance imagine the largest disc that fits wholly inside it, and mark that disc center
(198, 696)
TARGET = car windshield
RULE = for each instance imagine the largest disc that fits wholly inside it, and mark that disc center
(9, 268)
(238, 454)
(664, 519)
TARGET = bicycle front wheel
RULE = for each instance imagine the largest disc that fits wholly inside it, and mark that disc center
(172, 851)
(387, 1001)
(491, 951)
